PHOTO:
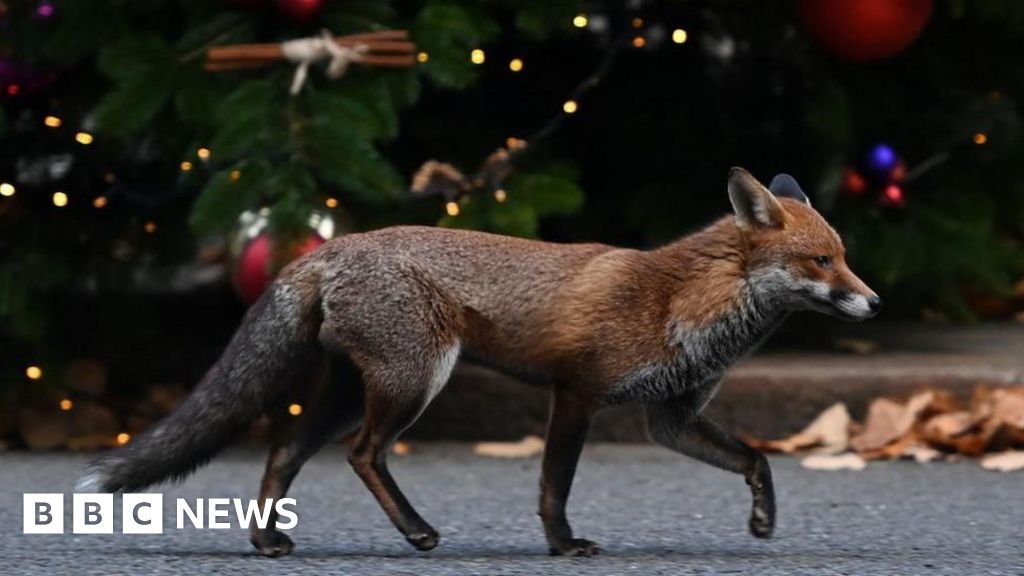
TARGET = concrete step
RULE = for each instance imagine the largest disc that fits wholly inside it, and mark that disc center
(771, 394)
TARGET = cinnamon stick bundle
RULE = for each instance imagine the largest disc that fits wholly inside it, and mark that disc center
(387, 48)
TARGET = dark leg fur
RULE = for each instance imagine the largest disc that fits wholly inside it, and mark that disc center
(392, 405)
(333, 409)
(567, 429)
(669, 424)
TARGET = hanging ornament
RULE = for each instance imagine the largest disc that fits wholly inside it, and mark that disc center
(892, 196)
(258, 257)
(865, 30)
(16, 79)
(853, 183)
(880, 172)
(299, 10)
(44, 10)
(881, 163)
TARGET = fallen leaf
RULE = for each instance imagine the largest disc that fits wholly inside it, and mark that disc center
(944, 427)
(832, 462)
(829, 433)
(922, 453)
(1004, 461)
(525, 448)
(888, 420)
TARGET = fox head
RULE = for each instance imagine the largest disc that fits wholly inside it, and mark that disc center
(793, 255)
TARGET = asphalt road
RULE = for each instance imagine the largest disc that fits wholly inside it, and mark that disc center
(653, 513)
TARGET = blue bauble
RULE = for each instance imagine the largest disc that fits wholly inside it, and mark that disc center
(880, 162)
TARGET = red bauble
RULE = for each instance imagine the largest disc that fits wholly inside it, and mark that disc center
(255, 266)
(864, 30)
(299, 10)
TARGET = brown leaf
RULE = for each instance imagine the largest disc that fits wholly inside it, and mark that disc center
(1004, 461)
(829, 433)
(847, 461)
(888, 420)
(525, 448)
(942, 428)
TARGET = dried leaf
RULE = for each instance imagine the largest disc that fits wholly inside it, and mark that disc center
(525, 448)
(943, 428)
(1004, 461)
(829, 433)
(831, 462)
(888, 420)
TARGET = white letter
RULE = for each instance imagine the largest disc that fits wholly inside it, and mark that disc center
(93, 514)
(262, 513)
(215, 513)
(142, 514)
(293, 518)
(42, 513)
(184, 508)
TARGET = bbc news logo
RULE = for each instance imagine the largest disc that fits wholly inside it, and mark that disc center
(144, 513)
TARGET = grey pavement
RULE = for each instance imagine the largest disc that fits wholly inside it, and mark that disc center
(652, 511)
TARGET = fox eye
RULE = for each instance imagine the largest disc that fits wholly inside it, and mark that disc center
(823, 261)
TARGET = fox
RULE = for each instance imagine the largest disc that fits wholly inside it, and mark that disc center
(392, 310)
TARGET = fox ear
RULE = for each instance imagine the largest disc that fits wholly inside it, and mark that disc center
(754, 205)
(785, 186)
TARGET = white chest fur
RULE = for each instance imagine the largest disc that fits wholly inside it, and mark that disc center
(699, 357)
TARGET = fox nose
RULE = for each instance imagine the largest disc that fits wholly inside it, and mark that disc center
(874, 303)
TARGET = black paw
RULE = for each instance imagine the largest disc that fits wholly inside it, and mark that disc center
(272, 543)
(575, 547)
(423, 541)
(762, 524)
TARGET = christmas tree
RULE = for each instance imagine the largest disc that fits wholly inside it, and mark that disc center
(134, 163)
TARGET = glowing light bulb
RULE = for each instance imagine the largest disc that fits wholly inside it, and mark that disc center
(52, 121)
(980, 138)
(236, 175)
(515, 65)
(123, 438)
(34, 372)
(60, 199)
(638, 22)
(422, 57)
(477, 56)
(570, 107)
(186, 166)
(331, 202)
(679, 36)
(203, 153)
(83, 138)
(99, 201)
(452, 208)
(295, 409)
(580, 21)
(639, 42)
(500, 195)
(7, 189)
(66, 404)
(150, 227)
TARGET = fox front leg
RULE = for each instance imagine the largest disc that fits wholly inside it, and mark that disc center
(672, 425)
(568, 424)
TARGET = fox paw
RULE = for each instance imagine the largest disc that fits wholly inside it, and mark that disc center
(762, 523)
(271, 543)
(423, 541)
(575, 547)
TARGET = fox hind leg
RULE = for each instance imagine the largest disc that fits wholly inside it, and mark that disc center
(405, 341)
(333, 408)
(395, 397)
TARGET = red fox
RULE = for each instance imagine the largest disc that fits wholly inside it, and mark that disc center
(598, 325)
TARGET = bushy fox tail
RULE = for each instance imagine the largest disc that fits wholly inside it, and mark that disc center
(276, 339)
